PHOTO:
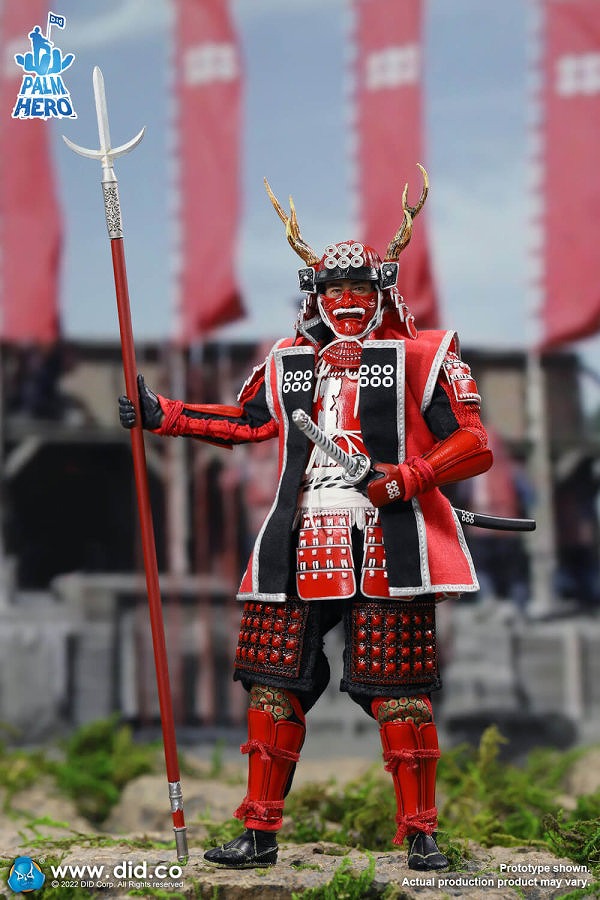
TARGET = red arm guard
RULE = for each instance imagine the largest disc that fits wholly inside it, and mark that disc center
(461, 455)
(223, 425)
(250, 421)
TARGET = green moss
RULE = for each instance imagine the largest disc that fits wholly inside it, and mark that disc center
(218, 833)
(217, 761)
(301, 867)
(19, 770)
(577, 835)
(76, 839)
(486, 800)
(95, 764)
(100, 758)
(498, 803)
(360, 815)
(592, 890)
(492, 802)
(346, 884)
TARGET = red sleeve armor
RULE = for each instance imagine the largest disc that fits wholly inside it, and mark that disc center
(460, 379)
(462, 451)
(250, 421)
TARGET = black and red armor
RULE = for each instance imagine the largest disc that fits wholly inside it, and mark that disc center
(400, 383)
(376, 559)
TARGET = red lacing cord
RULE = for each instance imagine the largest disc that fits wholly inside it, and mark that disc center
(169, 424)
(268, 751)
(422, 473)
(259, 809)
(393, 758)
(425, 821)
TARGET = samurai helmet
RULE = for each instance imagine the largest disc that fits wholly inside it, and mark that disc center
(351, 259)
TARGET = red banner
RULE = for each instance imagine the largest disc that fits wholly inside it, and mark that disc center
(30, 220)
(389, 128)
(208, 126)
(571, 173)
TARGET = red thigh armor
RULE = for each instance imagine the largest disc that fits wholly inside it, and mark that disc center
(394, 645)
(271, 638)
(325, 568)
(374, 576)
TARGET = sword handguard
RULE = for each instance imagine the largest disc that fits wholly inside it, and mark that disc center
(363, 470)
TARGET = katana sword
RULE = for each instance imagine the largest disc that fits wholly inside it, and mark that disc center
(112, 208)
(357, 468)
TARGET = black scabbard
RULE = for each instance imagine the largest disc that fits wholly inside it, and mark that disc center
(496, 523)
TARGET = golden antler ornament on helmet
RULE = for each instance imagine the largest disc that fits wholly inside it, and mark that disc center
(404, 233)
(292, 229)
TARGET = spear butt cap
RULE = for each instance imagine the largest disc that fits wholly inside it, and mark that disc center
(181, 844)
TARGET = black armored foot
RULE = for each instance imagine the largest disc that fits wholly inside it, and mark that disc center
(423, 852)
(250, 849)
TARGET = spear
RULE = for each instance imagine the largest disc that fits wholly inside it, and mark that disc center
(110, 189)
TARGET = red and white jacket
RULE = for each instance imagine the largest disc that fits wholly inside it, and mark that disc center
(413, 394)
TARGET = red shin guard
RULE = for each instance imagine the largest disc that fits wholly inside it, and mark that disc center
(273, 748)
(411, 753)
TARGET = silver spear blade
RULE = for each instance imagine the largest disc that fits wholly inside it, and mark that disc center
(107, 154)
(101, 110)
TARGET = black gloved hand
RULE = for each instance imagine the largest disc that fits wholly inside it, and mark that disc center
(126, 412)
(150, 408)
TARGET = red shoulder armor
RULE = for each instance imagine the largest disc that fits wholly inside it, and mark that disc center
(460, 379)
(252, 383)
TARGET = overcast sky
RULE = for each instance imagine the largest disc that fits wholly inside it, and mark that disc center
(477, 110)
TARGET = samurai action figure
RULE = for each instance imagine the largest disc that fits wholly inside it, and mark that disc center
(376, 555)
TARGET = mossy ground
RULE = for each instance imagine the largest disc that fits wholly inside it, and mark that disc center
(484, 799)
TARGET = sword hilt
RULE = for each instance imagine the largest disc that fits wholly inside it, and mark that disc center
(356, 466)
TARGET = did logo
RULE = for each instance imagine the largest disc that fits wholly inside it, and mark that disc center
(25, 875)
(43, 94)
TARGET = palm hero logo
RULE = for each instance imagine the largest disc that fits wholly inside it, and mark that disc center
(43, 94)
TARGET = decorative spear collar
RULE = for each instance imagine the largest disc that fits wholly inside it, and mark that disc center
(107, 154)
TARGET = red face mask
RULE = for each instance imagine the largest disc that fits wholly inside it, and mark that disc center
(350, 314)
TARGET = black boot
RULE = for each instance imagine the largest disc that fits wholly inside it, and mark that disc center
(423, 852)
(251, 849)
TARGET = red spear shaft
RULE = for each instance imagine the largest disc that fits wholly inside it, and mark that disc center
(106, 155)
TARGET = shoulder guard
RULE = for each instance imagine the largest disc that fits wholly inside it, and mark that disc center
(460, 379)
(252, 384)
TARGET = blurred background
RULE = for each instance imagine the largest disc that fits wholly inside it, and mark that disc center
(335, 101)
